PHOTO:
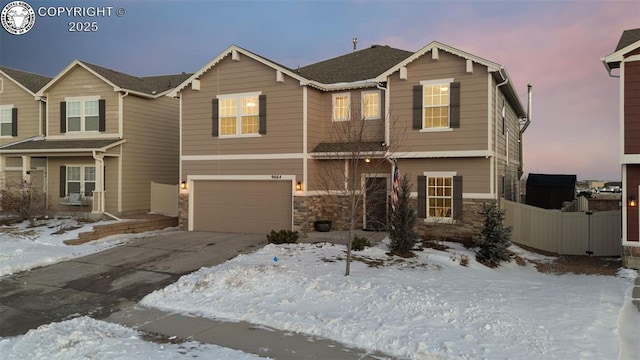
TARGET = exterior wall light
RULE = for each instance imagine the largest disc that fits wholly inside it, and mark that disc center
(367, 160)
(299, 186)
(183, 185)
(632, 201)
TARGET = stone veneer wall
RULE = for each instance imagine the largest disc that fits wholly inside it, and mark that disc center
(463, 230)
(183, 211)
(307, 209)
(631, 257)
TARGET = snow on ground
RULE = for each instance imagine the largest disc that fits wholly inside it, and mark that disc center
(427, 307)
(23, 247)
(85, 338)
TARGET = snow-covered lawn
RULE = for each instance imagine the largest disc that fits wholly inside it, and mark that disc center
(427, 307)
(23, 247)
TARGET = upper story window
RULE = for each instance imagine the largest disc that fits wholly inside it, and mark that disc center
(82, 115)
(436, 105)
(240, 115)
(341, 106)
(371, 104)
(6, 120)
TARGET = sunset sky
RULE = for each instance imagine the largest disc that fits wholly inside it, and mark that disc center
(555, 45)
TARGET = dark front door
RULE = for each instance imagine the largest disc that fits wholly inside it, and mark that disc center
(376, 204)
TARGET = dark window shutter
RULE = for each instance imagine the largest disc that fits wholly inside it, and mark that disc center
(14, 122)
(422, 197)
(262, 115)
(457, 197)
(417, 107)
(214, 117)
(63, 181)
(102, 123)
(454, 105)
(63, 117)
(382, 105)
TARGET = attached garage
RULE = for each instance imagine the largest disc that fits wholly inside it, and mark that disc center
(241, 206)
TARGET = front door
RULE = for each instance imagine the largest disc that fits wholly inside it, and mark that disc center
(375, 218)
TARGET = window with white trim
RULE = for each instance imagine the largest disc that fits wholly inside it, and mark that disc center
(435, 105)
(371, 104)
(341, 106)
(6, 124)
(82, 115)
(440, 197)
(81, 179)
(239, 115)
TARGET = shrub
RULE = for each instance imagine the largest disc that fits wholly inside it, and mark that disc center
(403, 219)
(494, 238)
(23, 200)
(358, 243)
(282, 237)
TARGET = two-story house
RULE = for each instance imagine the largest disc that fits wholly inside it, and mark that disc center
(106, 136)
(626, 58)
(258, 138)
(22, 116)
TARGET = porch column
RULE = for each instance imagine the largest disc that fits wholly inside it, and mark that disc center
(98, 192)
(3, 175)
(26, 168)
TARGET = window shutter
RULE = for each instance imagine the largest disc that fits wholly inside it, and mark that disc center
(102, 123)
(63, 117)
(14, 122)
(262, 115)
(454, 105)
(457, 197)
(63, 181)
(417, 107)
(214, 117)
(383, 114)
(422, 197)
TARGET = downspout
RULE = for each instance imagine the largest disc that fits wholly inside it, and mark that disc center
(495, 136)
(524, 128)
(608, 68)
(102, 182)
(387, 125)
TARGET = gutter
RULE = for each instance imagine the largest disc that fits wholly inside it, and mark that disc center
(495, 135)
(608, 68)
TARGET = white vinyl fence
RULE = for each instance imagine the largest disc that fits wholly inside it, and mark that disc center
(164, 199)
(595, 233)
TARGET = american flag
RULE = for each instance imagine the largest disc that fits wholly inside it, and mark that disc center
(395, 185)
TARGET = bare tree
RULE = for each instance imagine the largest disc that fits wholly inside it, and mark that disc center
(355, 148)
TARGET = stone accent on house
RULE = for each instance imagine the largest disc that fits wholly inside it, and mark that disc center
(631, 257)
(307, 209)
(183, 211)
(463, 230)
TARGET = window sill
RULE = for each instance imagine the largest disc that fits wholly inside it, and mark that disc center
(434, 220)
(436, 130)
(340, 120)
(239, 136)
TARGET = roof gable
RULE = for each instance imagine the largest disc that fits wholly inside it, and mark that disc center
(629, 41)
(30, 82)
(150, 87)
(628, 37)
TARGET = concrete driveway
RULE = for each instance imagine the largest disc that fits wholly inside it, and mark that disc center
(100, 284)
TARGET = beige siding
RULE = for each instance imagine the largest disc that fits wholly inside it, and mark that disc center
(474, 171)
(329, 175)
(316, 118)
(151, 129)
(243, 167)
(284, 110)
(28, 110)
(111, 184)
(356, 127)
(78, 82)
(472, 134)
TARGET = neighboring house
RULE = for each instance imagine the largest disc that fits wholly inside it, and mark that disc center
(22, 116)
(626, 59)
(256, 137)
(549, 191)
(106, 137)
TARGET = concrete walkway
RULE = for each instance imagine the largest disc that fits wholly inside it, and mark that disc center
(107, 285)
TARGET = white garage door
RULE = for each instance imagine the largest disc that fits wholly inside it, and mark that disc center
(242, 206)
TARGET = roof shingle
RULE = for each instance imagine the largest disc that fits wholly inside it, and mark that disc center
(40, 144)
(628, 37)
(31, 81)
(149, 85)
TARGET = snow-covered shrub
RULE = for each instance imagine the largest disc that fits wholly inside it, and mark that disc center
(494, 238)
(282, 237)
(358, 243)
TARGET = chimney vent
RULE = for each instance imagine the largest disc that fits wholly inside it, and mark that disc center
(355, 43)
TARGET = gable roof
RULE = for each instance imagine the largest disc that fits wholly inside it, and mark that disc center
(629, 41)
(150, 87)
(40, 144)
(365, 64)
(30, 82)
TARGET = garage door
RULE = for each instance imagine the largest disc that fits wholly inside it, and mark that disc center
(241, 206)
